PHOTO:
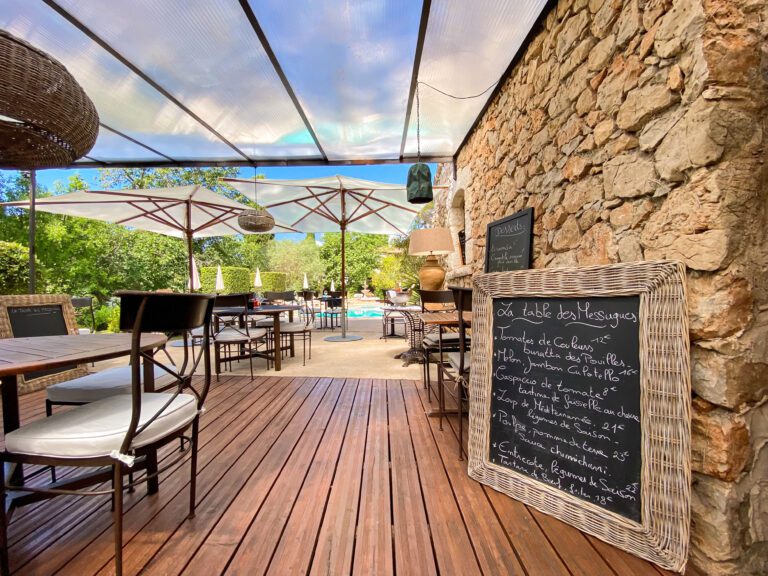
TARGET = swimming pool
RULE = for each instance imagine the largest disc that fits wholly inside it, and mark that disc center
(373, 312)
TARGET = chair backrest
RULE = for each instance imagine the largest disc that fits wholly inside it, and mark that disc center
(143, 312)
(309, 311)
(232, 300)
(335, 293)
(334, 302)
(85, 302)
(436, 300)
(286, 296)
(462, 297)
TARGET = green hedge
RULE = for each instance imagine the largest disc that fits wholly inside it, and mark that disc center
(14, 263)
(273, 281)
(236, 279)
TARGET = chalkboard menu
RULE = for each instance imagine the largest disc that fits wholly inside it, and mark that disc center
(565, 396)
(37, 320)
(508, 242)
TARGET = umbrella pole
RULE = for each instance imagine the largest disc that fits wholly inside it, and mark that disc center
(32, 231)
(188, 233)
(343, 281)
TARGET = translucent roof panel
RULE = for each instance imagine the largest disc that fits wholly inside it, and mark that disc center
(350, 64)
(467, 48)
(240, 82)
(207, 55)
(110, 147)
(123, 100)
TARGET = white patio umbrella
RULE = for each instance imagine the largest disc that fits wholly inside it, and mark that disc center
(219, 279)
(333, 286)
(182, 211)
(305, 286)
(333, 204)
(194, 278)
(257, 279)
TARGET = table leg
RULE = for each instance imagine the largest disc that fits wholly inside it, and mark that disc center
(291, 336)
(11, 422)
(277, 348)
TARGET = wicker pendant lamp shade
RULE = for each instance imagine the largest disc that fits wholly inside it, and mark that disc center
(46, 119)
(256, 219)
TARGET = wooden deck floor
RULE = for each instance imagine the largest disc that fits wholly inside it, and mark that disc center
(313, 476)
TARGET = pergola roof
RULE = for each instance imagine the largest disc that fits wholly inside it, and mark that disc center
(270, 82)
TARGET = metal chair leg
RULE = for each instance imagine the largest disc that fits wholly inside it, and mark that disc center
(117, 483)
(193, 468)
(4, 564)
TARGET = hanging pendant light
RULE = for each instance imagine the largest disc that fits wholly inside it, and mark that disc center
(255, 219)
(419, 186)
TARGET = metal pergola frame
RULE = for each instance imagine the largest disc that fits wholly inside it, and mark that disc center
(244, 158)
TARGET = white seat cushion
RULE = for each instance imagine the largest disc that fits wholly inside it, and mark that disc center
(231, 336)
(454, 359)
(264, 323)
(451, 339)
(101, 385)
(293, 327)
(96, 429)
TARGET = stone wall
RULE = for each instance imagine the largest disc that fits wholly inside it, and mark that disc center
(636, 130)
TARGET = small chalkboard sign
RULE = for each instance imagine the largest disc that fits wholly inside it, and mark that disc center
(580, 400)
(508, 242)
(26, 316)
(565, 396)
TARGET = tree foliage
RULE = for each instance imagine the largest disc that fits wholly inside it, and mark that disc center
(363, 253)
(14, 263)
(295, 259)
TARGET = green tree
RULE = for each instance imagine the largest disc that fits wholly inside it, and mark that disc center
(296, 259)
(14, 263)
(363, 254)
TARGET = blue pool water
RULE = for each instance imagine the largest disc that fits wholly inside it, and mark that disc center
(364, 313)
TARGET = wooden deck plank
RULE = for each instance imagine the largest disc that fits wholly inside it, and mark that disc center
(168, 542)
(493, 550)
(373, 547)
(234, 519)
(335, 542)
(91, 546)
(452, 545)
(303, 475)
(413, 544)
(296, 548)
(319, 446)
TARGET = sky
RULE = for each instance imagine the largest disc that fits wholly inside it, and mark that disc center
(392, 173)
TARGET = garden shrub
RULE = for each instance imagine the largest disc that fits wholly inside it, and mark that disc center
(107, 318)
(274, 281)
(14, 264)
(236, 279)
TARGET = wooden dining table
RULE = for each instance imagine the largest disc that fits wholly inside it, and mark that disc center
(272, 310)
(24, 355)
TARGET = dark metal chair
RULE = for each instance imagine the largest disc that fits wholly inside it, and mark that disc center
(392, 318)
(122, 432)
(333, 309)
(86, 303)
(454, 366)
(232, 330)
(302, 329)
(434, 301)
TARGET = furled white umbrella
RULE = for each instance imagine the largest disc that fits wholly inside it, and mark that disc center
(257, 279)
(219, 279)
(194, 278)
(181, 211)
(333, 204)
(333, 286)
(305, 286)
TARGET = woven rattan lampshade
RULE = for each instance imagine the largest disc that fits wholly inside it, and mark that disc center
(256, 220)
(46, 119)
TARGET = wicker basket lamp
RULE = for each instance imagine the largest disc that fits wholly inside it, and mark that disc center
(256, 220)
(46, 119)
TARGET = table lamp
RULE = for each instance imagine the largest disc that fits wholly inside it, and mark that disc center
(431, 242)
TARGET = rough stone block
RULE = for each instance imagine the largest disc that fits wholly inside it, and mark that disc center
(720, 444)
(642, 104)
(628, 176)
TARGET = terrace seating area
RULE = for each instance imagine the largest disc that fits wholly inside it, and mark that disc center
(302, 475)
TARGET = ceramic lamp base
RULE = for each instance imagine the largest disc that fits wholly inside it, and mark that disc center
(431, 274)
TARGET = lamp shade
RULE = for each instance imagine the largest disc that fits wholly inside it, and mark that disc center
(430, 242)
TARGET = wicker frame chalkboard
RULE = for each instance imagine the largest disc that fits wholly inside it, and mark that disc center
(663, 534)
(30, 385)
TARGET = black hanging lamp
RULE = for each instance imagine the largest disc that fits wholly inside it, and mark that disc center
(419, 186)
(256, 220)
